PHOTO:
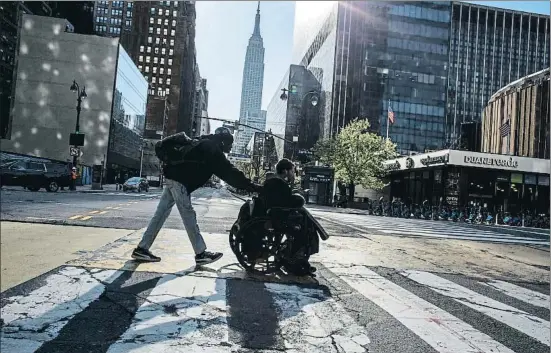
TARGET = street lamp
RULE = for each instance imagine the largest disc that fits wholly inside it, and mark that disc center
(76, 139)
(314, 100)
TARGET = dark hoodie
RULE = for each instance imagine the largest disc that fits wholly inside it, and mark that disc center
(202, 162)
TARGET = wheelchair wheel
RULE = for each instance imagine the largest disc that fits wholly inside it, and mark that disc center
(263, 256)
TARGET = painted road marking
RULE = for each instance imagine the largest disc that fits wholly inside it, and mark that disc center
(438, 328)
(520, 293)
(528, 324)
(93, 212)
(103, 212)
(85, 218)
(204, 314)
(76, 217)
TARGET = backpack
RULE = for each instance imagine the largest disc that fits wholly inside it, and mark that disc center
(173, 149)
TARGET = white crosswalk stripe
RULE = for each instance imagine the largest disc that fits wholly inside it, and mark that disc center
(422, 228)
(200, 312)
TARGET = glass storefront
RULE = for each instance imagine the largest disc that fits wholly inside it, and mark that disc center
(496, 190)
(127, 119)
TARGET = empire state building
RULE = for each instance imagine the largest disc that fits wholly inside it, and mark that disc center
(251, 90)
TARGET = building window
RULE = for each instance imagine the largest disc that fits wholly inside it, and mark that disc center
(156, 50)
(149, 49)
(160, 80)
(154, 80)
(165, 31)
(159, 21)
(169, 71)
(142, 48)
(128, 13)
(167, 91)
(170, 52)
(174, 13)
(167, 12)
(161, 70)
(173, 33)
(172, 42)
(169, 61)
(162, 61)
(158, 30)
(163, 51)
(155, 60)
(140, 59)
(174, 23)
(151, 20)
(150, 29)
(147, 69)
(128, 23)
(152, 10)
(154, 69)
(140, 67)
(164, 40)
(147, 59)
(168, 81)
(157, 40)
(166, 22)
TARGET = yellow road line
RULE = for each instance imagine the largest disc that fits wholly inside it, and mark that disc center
(85, 218)
(103, 212)
(93, 212)
(75, 217)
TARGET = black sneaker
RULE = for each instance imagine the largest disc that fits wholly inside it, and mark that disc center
(207, 257)
(144, 255)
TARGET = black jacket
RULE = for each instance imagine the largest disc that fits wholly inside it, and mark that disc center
(276, 192)
(201, 162)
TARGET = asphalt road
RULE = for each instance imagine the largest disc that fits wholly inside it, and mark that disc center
(216, 210)
(383, 285)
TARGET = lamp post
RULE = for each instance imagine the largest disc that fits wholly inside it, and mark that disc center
(80, 95)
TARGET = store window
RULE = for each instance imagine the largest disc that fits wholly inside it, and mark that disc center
(515, 193)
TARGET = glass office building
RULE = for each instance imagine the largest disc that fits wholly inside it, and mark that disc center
(127, 119)
(490, 48)
(416, 57)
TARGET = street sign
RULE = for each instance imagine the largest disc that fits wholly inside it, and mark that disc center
(75, 151)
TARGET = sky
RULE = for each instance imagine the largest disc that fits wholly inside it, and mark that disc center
(223, 29)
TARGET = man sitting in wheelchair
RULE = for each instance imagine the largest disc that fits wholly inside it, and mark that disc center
(277, 194)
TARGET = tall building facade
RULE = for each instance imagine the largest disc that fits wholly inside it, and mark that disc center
(251, 89)
(11, 13)
(113, 18)
(490, 48)
(161, 42)
(369, 55)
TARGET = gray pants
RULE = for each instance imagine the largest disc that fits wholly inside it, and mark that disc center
(174, 193)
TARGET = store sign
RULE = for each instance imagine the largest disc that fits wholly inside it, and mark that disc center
(320, 178)
(392, 166)
(500, 162)
(428, 160)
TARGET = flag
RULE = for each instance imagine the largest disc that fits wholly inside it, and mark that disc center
(390, 115)
(505, 129)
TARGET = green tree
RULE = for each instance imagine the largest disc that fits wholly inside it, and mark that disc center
(357, 155)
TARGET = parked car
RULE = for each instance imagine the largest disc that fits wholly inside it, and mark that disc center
(35, 175)
(137, 184)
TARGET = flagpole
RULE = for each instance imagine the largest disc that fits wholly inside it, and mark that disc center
(387, 119)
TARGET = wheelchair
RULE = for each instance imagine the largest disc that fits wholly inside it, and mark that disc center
(262, 239)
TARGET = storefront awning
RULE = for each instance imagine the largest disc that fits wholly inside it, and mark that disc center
(469, 159)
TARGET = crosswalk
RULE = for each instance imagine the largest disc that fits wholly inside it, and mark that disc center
(431, 229)
(352, 309)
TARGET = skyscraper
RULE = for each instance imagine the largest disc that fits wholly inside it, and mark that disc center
(435, 62)
(251, 89)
